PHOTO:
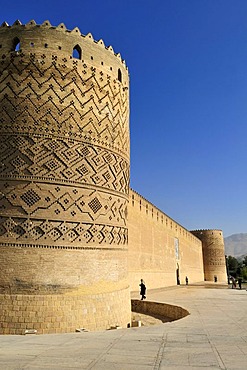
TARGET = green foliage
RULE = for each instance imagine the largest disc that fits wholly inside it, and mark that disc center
(237, 267)
(233, 265)
(245, 261)
(244, 273)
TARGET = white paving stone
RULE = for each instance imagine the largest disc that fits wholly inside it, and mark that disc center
(213, 336)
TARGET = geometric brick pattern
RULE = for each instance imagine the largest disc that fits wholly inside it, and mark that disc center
(64, 149)
(62, 160)
(73, 101)
(52, 233)
(64, 175)
(52, 201)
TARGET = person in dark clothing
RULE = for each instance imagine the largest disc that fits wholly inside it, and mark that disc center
(186, 280)
(240, 283)
(142, 290)
(233, 283)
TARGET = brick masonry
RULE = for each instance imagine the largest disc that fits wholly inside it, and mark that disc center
(213, 254)
(73, 238)
(159, 247)
(64, 180)
(159, 309)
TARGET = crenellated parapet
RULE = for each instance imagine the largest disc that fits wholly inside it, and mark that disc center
(213, 254)
(149, 209)
(55, 73)
(53, 39)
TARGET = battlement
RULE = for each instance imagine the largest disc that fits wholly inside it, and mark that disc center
(206, 231)
(47, 39)
(147, 207)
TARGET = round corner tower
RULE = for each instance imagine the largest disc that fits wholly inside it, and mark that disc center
(64, 179)
(213, 250)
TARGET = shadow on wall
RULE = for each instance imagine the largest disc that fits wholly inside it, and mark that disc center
(163, 311)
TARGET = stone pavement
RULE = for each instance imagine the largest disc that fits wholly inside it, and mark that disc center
(213, 336)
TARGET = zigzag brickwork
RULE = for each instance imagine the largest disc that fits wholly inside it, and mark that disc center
(73, 239)
(64, 170)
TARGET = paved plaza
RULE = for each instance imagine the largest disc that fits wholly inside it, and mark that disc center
(213, 336)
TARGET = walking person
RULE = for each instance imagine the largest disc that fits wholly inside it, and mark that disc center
(142, 290)
(240, 283)
(186, 280)
(233, 283)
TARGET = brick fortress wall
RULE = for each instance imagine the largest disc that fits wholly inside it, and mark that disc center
(159, 247)
(64, 181)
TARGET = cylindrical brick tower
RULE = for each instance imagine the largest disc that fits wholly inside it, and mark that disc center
(213, 250)
(64, 181)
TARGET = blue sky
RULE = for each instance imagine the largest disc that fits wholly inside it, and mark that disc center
(188, 71)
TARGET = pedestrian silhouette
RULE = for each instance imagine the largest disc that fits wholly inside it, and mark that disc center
(142, 290)
(233, 283)
(240, 283)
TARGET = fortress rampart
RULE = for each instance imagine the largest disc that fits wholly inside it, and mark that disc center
(73, 239)
(160, 250)
(213, 254)
(64, 179)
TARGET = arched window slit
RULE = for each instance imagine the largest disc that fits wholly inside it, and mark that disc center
(119, 77)
(77, 52)
(16, 44)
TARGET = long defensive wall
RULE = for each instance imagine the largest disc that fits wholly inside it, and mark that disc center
(66, 213)
(161, 251)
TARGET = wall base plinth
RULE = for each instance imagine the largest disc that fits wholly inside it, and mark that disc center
(63, 313)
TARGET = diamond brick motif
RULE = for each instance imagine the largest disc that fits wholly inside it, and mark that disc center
(84, 169)
(72, 235)
(66, 201)
(36, 233)
(54, 234)
(18, 162)
(84, 151)
(52, 164)
(9, 224)
(61, 160)
(95, 205)
(66, 129)
(30, 197)
(18, 231)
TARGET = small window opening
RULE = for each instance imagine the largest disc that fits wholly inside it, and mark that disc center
(0, 46)
(32, 44)
(102, 63)
(77, 52)
(119, 75)
(91, 58)
(16, 44)
(46, 45)
(60, 47)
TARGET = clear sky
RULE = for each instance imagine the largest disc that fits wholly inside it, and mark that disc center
(188, 71)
